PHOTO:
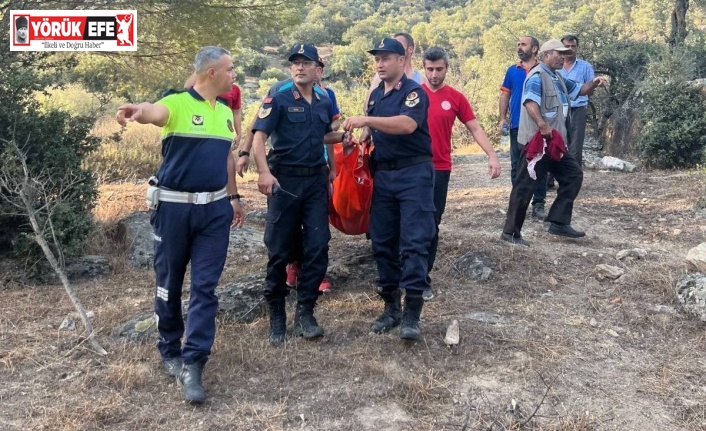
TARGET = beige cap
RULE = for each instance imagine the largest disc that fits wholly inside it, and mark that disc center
(553, 45)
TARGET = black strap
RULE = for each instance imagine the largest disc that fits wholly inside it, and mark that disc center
(393, 165)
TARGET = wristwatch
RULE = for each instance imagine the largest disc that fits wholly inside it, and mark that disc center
(243, 153)
(234, 197)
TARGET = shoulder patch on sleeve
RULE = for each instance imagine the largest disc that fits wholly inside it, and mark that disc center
(264, 112)
(267, 100)
(412, 100)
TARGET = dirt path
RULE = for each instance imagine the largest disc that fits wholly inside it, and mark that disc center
(542, 330)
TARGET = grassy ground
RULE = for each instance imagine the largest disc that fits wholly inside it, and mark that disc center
(558, 350)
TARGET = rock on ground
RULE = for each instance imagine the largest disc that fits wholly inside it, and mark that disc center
(240, 300)
(697, 257)
(629, 254)
(140, 239)
(471, 264)
(604, 271)
(691, 294)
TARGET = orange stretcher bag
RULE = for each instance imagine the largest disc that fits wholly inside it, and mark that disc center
(349, 206)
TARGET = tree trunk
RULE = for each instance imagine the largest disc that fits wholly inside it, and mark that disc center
(678, 32)
(39, 238)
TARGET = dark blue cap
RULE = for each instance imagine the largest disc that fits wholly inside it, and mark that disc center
(305, 50)
(388, 45)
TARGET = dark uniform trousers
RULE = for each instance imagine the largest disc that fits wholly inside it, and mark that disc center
(441, 190)
(183, 233)
(287, 218)
(567, 173)
(402, 226)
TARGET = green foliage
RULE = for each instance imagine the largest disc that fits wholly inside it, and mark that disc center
(252, 62)
(347, 62)
(170, 32)
(673, 113)
(270, 73)
(55, 144)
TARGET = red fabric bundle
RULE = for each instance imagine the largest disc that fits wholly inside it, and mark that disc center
(556, 147)
(349, 206)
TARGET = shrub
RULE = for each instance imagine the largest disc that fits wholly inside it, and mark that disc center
(55, 144)
(252, 62)
(673, 114)
(674, 132)
(273, 73)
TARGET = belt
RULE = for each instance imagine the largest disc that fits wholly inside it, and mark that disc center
(202, 198)
(297, 171)
(393, 165)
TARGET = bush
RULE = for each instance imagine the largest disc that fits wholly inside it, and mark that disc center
(252, 62)
(273, 73)
(55, 144)
(674, 131)
(673, 113)
(348, 61)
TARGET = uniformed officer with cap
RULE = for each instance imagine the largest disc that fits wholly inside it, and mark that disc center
(295, 177)
(195, 201)
(402, 214)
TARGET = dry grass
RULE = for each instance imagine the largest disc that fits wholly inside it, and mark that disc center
(646, 377)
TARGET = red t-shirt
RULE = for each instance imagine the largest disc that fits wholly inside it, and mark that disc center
(445, 105)
(232, 97)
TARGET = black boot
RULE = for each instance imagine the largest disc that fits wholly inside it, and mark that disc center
(190, 381)
(409, 330)
(172, 366)
(305, 324)
(390, 318)
(278, 322)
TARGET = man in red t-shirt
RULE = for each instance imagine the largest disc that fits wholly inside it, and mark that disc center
(445, 105)
(232, 99)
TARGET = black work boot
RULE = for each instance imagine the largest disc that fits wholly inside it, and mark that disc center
(172, 366)
(190, 381)
(305, 324)
(278, 322)
(409, 330)
(390, 318)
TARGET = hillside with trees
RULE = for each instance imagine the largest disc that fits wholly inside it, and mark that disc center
(601, 333)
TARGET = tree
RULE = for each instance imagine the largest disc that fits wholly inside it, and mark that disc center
(38, 198)
(678, 30)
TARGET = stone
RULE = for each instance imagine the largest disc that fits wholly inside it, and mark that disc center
(696, 257)
(90, 266)
(615, 164)
(142, 328)
(630, 254)
(146, 324)
(593, 322)
(691, 294)
(78, 268)
(612, 333)
(139, 235)
(67, 325)
(604, 271)
(489, 318)
(622, 130)
(453, 335)
(665, 309)
(241, 300)
(471, 265)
